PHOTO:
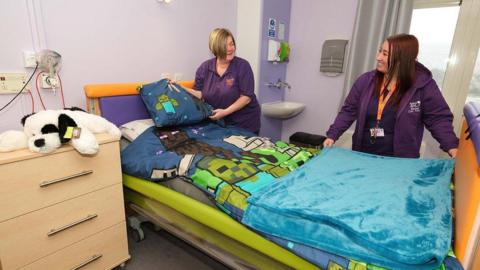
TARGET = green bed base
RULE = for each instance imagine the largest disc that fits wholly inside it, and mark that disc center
(210, 217)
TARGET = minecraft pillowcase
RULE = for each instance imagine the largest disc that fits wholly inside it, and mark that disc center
(171, 105)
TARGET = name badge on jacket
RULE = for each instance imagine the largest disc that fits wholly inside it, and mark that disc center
(377, 132)
(414, 107)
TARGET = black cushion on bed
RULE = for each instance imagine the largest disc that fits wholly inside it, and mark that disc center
(307, 139)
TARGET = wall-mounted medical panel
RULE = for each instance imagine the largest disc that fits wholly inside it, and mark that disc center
(12, 83)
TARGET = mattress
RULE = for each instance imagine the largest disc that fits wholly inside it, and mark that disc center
(184, 187)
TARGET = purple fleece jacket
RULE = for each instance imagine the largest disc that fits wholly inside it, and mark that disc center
(422, 105)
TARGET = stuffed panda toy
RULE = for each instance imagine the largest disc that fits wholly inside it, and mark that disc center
(47, 130)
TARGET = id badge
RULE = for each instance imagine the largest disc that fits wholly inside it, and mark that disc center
(377, 132)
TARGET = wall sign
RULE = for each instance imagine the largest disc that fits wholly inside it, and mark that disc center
(272, 28)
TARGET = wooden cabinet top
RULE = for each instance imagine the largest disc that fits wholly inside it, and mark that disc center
(23, 154)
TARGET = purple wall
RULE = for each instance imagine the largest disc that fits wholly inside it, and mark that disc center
(312, 22)
(109, 41)
(269, 72)
(128, 40)
(14, 16)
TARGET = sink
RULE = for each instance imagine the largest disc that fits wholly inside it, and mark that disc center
(282, 109)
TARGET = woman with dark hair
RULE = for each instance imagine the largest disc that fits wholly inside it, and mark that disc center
(226, 82)
(392, 104)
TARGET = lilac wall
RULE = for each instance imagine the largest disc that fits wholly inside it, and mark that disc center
(127, 40)
(312, 22)
(12, 44)
(109, 41)
(269, 72)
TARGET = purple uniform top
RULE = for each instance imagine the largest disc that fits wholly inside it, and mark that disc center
(223, 91)
(380, 145)
(421, 106)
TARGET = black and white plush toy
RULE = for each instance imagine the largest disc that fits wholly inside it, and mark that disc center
(48, 130)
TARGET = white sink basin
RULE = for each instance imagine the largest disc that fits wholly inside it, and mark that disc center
(282, 109)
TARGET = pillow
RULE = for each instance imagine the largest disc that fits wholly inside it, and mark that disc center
(133, 129)
(172, 105)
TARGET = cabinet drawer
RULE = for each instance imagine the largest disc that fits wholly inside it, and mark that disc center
(35, 183)
(103, 250)
(45, 231)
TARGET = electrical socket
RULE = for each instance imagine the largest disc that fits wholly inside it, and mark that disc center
(165, 75)
(29, 59)
(49, 82)
(177, 77)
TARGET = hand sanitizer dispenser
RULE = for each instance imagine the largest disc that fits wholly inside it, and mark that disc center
(273, 47)
(278, 51)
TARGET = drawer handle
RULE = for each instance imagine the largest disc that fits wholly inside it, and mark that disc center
(87, 218)
(91, 259)
(54, 181)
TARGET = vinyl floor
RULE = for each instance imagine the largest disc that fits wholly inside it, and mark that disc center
(161, 250)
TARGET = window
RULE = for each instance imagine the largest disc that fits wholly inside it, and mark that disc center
(434, 28)
(474, 88)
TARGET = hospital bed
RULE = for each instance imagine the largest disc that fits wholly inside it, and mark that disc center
(223, 238)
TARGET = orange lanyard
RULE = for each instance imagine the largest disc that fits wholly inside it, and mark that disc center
(382, 102)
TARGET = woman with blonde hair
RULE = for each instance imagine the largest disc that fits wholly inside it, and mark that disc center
(226, 82)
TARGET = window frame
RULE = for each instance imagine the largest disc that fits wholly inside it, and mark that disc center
(418, 4)
(462, 59)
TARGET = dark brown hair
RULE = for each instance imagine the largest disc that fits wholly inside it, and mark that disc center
(402, 55)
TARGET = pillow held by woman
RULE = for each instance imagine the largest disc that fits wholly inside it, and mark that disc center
(171, 105)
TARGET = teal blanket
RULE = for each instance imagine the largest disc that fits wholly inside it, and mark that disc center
(392, 212)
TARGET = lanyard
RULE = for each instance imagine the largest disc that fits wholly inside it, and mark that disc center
(382, 101)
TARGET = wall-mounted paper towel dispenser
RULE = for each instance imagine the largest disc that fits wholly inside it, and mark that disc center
(333, 56)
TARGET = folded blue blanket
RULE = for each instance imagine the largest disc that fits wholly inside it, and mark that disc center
(392, 212)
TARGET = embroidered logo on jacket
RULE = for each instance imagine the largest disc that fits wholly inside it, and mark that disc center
(414, 107)
(229, 82)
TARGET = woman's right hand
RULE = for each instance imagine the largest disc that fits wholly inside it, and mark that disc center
(328, 142)
(170, 81)
(193, 92)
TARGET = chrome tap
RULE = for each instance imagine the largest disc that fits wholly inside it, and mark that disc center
(279, 84)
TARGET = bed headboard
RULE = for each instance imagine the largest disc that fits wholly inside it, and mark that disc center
(119, 103)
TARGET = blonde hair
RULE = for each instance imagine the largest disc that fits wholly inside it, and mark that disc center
(218, 42)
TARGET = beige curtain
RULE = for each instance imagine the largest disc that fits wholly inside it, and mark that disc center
(375, 21)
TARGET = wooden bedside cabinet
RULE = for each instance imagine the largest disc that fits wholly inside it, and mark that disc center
(62, 210)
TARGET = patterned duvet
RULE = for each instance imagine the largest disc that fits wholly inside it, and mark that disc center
(228, 164)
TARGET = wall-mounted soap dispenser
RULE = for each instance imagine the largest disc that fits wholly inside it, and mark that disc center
(278, 51)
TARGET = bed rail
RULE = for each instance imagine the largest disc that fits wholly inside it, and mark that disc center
(467, 189)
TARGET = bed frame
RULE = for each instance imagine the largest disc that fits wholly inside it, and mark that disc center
(218, 235)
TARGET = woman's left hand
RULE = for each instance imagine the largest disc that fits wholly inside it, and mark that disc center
(218, 114)
(453, 152)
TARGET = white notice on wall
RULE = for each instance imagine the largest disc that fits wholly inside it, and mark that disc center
(281, 31)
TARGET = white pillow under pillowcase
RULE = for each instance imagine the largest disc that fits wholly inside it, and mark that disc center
(133, 129)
